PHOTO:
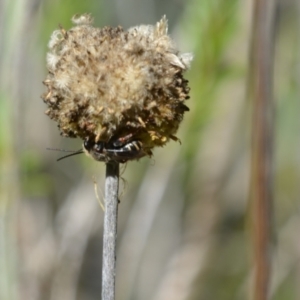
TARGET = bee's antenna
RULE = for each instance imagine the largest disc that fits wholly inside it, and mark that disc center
(74, 153)
(62, 150)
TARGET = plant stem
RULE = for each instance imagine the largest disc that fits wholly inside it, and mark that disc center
(110, 231)
(261, 87)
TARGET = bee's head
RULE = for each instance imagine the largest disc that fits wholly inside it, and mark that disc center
(94, 150)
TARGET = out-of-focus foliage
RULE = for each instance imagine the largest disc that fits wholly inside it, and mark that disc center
(183, 226)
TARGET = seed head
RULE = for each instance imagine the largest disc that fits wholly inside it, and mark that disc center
(107, 83)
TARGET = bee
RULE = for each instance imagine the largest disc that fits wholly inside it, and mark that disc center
(119, 149)
(113, 150)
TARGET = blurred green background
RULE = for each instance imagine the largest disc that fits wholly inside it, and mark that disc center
(184, 229)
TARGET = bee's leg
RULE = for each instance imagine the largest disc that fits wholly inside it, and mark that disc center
(122, 141)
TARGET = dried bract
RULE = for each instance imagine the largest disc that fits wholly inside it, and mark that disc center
(107, 83)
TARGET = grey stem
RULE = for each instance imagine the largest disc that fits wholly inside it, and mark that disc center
(110, 231)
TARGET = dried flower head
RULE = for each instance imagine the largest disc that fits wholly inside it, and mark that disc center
(106, 84)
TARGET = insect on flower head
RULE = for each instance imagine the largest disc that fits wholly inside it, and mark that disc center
(108, 84)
